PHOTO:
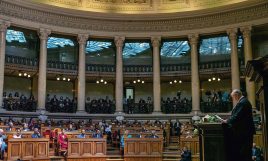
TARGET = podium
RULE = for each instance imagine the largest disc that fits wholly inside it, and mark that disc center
(212, 145)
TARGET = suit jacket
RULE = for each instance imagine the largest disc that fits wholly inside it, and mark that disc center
(241, 120)
(186, 156)
(257, 153)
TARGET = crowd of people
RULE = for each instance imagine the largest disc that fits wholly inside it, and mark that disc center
(19, 102)
(143, 106)
(216, 101)
(176, 105)
(61, 105)
(100, 105)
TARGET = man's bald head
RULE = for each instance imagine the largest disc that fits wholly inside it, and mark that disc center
(236, 95)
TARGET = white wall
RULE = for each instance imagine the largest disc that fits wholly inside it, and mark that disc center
(17, 84)
(170, 90)
(94, 90)
(60, 88)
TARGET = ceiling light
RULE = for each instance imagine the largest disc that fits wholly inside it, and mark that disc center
(138, 80)
(105, 82)
(134, 81)
(64, 78)
(213, 78)
(29, 75)
(175, 81)
(58, 78)
(180, 81)
(142, 81)
(219, 79)
(209, 80)
(20, 74)
(101, 80)
(25, 74)
(68, 79)
(170, 82)
(97, 82)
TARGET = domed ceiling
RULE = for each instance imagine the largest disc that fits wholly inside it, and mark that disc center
(142, 6)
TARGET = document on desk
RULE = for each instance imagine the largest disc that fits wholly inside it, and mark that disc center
(219, 118)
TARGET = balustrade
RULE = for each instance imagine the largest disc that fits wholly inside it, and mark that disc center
(11, 59)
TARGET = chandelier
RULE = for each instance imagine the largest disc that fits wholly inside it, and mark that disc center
(63, 78)
(138, 81)
(214, 79)
(175, 81)
(24, 74)
(101, 81)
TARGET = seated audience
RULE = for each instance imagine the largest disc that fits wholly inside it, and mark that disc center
(152, 135)
(18, 134)
(3, 144)
(19, 102)
(25, 127)
(176, 105)
(63, 142)
(100, 106)
(60, 105)
(36, 133)
(97, 134)
(83, 134)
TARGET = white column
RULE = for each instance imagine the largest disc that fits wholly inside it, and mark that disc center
(119, 42)
(81, 89)
(232, 33)
(250, 86)
(193, 39)
(3, 28)
(42, 75)
(156, 74)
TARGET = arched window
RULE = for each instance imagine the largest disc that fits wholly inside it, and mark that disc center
(62, 49)
(22, 42)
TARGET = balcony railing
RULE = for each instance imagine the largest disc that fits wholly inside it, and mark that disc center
(216, 107)
(138, 108)
(111, 68)
(173, 108)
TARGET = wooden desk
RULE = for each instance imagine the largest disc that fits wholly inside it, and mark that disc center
(25, 134)
(191, 143)
(143, 149)
(92, 149)
(28, 149)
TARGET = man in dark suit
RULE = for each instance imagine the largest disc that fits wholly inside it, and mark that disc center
(256, 153)
(239, 129)
(186, 154)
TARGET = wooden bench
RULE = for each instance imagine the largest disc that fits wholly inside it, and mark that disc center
(28, 149)
(143, 149)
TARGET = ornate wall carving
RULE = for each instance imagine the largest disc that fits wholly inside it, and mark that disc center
(132, 6)
(10, 9)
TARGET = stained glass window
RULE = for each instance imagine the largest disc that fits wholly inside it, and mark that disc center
(215, 45)
(133, 49)
(94, 46)
(175, 48)
(13, 35)
(54, 42)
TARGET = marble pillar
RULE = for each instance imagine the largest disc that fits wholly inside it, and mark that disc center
(42, 74)
(81, 82)
(119, 42)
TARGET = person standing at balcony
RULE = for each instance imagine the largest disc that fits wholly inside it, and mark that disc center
(239, 129)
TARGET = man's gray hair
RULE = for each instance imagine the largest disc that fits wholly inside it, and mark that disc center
(237, 92)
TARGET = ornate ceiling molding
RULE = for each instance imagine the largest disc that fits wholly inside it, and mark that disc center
(11, 10)
(138, 6)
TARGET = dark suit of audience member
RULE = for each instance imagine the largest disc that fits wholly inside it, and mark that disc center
(177, 128)
(239, 129)
(256, 153)
(186, 155)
